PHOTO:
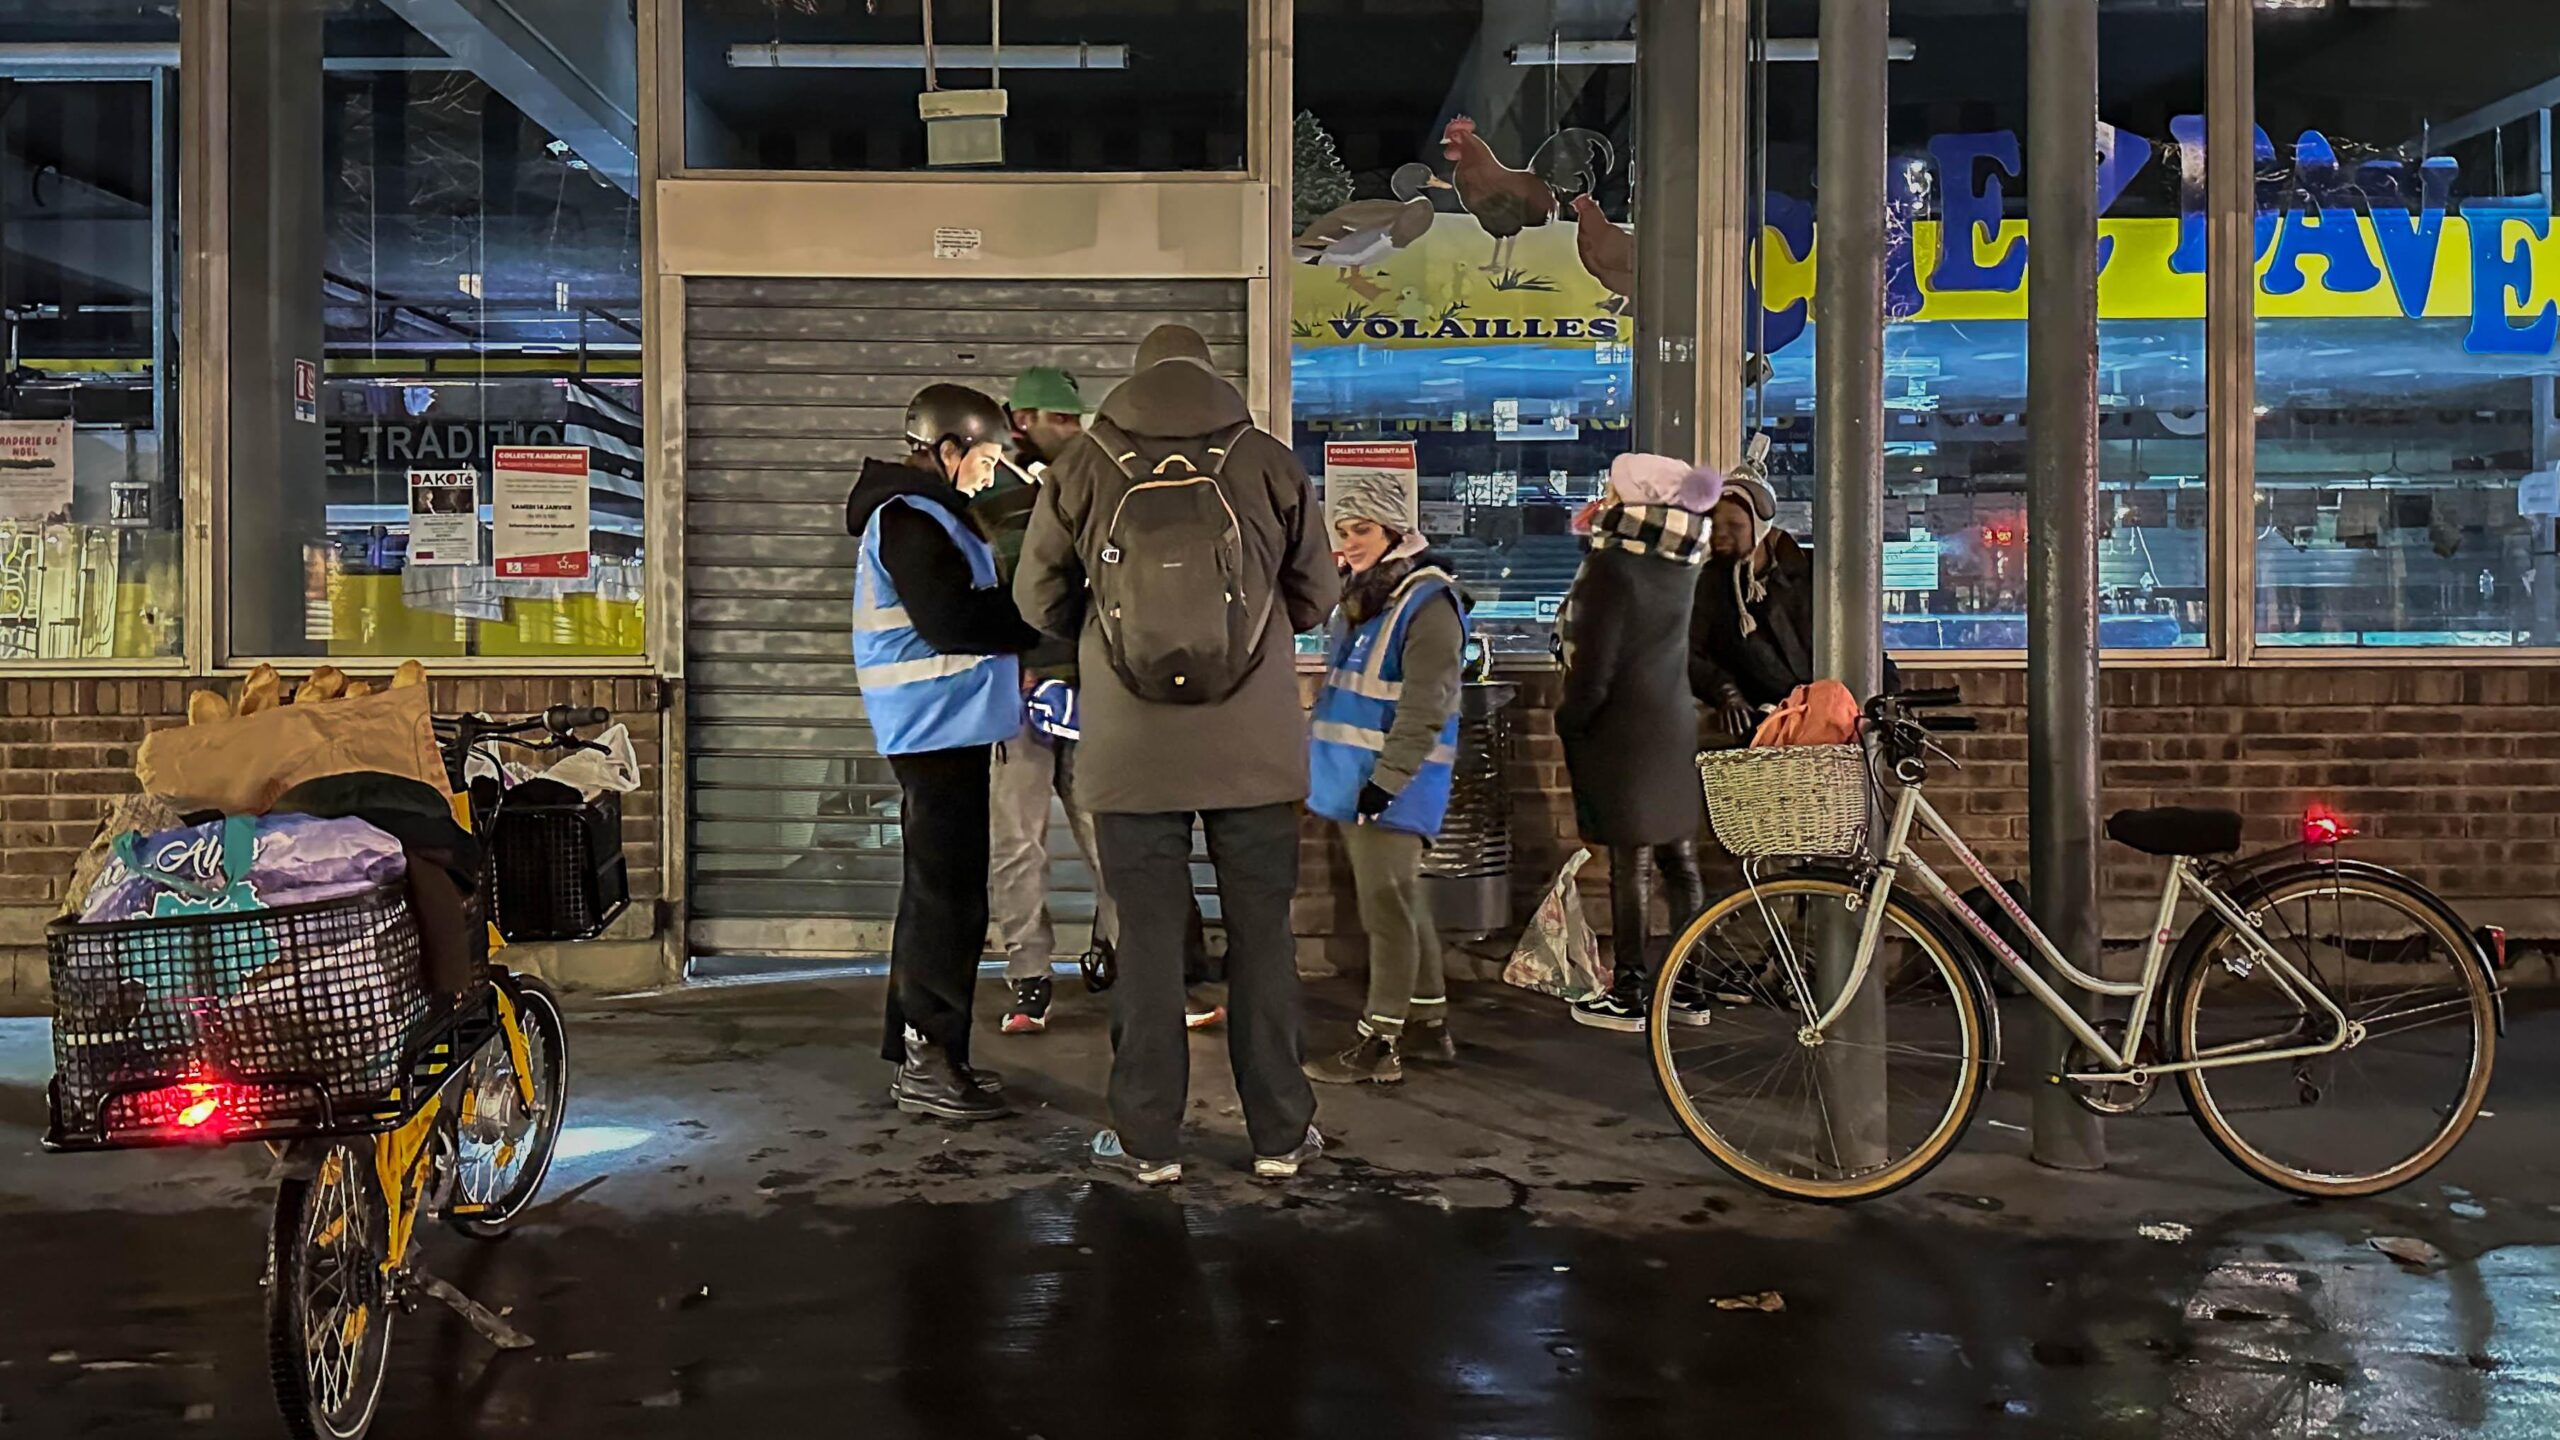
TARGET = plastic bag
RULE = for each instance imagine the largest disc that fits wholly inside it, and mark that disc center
(296, 859)
(1558, 955)
(591, 773)
(1822, 713)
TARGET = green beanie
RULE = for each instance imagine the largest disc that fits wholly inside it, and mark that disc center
(1046, 387)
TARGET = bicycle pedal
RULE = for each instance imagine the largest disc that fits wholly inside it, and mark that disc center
(492, 1326)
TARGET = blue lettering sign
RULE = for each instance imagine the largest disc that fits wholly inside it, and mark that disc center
(2320, 228)
(2497, 272)
(1972, 202)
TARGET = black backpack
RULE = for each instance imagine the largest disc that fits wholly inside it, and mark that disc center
(1181, 623)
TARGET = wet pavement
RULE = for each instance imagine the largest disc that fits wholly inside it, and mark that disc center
(743, 1238)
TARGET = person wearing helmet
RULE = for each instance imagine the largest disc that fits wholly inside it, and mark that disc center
(935, 634)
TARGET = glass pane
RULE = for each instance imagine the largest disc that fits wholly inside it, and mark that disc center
(1957, 226)
(89, 549)
(436, 346)
(841, 85)
(1430, 311)
(2406, 262)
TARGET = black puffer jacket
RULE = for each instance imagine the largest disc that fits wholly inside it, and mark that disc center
(1629, 728)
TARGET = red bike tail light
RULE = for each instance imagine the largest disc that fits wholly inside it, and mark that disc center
(2321, 826)
(200, 1106)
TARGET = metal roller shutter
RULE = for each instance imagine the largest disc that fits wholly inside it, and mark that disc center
(789, 385)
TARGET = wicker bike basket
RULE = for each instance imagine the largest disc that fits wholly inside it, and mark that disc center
(1787, 800)
(300, 1018)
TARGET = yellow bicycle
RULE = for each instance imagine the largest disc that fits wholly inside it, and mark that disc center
(309, 1028)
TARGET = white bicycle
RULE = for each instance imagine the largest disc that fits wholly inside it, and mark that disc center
(2332, 1023)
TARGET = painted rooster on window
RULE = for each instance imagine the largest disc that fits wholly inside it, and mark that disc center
(1507, 201)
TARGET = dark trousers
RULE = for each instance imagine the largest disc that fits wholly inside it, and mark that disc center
(942, 900)
(1631, 955)
(1146, 863)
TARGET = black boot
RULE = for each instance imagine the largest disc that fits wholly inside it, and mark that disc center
(1428, 1041)
(932, 1083)
(1373, 1061)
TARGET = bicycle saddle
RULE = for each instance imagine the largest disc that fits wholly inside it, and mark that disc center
(2176, 830)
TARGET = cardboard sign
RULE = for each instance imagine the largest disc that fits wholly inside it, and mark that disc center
(444, 517)
(540, 496)
(35, 470)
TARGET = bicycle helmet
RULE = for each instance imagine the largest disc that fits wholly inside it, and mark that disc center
(955, 412)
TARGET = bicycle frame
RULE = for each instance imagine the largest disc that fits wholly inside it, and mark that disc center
(1912, 810)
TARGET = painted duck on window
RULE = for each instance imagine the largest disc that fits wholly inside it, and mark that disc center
(1355, 236)
(1505, 201)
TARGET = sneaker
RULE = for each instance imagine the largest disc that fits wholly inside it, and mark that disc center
(1428, 1041)
(1612, 1011)
(1730, 985)
(1283, 1167)
(1108, 1153)
(1691, 1005)
(1371, 1061)
(1029, 1013)
(1199, 1012)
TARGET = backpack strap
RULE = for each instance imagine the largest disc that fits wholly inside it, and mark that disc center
(1220, 453)
(1116, 445)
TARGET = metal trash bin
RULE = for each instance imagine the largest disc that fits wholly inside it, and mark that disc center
(1467, 873)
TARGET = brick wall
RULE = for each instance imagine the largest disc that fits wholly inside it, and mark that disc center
(2452, 775)
(67, 746)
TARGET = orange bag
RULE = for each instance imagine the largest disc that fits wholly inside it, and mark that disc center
(239, 766)
(1822, 713)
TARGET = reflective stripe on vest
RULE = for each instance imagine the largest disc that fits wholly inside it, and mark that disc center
(919, 698)
(1357, 707)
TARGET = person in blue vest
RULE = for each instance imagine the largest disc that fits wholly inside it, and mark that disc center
(934, 640)
(1380, 755)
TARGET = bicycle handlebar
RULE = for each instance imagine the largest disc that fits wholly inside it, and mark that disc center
(1944, 698)
(561, 719)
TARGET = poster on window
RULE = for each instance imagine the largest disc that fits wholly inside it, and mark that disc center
(1373, 466)
(539, 493)
(444, 517)
(35, 469)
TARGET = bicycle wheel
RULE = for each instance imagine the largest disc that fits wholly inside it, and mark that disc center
(328, 1307)
(2364, 1119)
(502, 1146)
(1777, 1109)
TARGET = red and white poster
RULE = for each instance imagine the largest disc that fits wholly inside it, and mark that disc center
(1376, 462)
(539, 494)
(35, 470)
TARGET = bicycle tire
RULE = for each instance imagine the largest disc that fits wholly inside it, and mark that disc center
(2195, 968)
(342, 1197)
(1973, 1010)
(546, 1036)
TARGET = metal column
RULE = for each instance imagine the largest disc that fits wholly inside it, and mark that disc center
(1848, 507)
(277, 125)
(1667, 229)
(2062, 528)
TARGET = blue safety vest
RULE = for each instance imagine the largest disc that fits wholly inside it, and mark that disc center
(1363, 682)
(918, 697)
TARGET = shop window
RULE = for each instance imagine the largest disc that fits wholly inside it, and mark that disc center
(435, 338)
(89, 537)
(1431, 326)
(1957, 230)
(1089, 86)
(2406, 331)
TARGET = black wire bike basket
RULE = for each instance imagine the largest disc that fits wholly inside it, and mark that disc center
(555, 869)
(292, 1021)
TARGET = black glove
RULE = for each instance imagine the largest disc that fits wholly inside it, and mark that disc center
(1739, 716)
(1373, 801)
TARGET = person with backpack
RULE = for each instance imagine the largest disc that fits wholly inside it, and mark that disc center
(934, 643)
(1381, 758)
(1629, 727)
(1182, 547)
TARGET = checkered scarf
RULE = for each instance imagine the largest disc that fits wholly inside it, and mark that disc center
(1666, 531)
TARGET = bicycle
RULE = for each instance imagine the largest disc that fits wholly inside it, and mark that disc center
(1857, 1030)
(459, 1125)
